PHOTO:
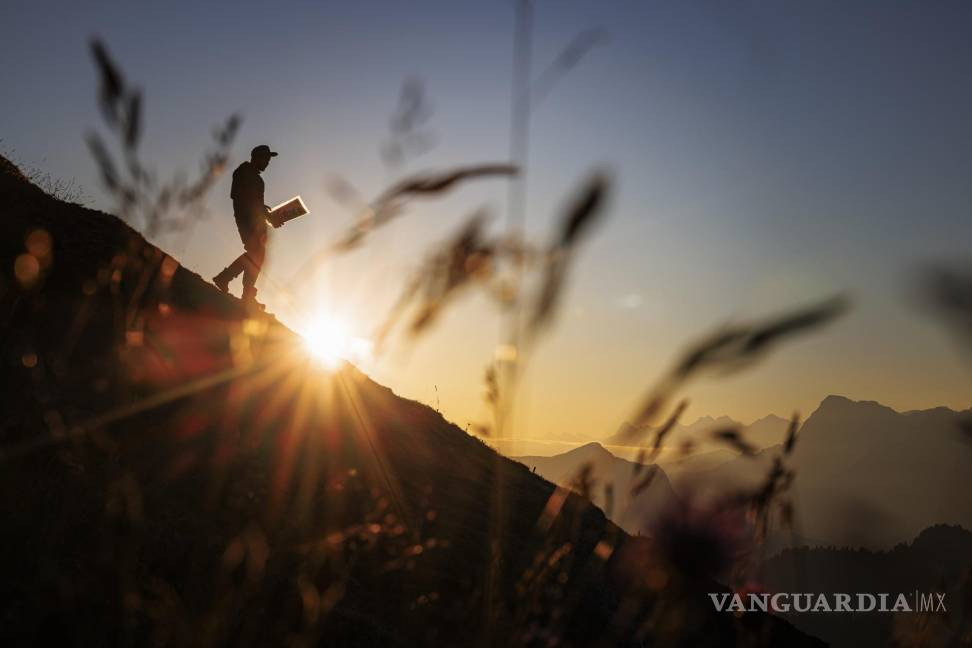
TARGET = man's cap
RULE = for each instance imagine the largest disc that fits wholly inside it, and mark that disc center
(262, 151)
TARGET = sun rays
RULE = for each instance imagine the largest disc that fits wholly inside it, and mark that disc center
(327, 339)
(330, 340)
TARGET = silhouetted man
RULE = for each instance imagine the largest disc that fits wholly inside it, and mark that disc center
(251, 220)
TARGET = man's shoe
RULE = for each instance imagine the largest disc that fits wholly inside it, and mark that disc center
(249, 300)
(254, 305)
(221, 282)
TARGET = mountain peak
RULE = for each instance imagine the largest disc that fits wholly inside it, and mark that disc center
(592, 450)
(835, 400)
(709, 420)
(770, 418)
(843, 403)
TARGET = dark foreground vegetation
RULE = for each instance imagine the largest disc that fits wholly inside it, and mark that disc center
(938, 560)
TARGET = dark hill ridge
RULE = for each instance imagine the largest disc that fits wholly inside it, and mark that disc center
(938, 560)
(176, 472)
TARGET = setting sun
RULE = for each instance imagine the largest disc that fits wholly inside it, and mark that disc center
(328, 339)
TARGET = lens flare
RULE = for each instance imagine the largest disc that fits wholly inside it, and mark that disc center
(328, 339)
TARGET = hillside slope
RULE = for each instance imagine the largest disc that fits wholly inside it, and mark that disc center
(175, 472)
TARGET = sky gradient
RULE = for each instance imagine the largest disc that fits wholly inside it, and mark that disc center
(765, 156)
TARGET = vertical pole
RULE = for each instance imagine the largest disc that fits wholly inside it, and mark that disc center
(508, 353)
(509, 357)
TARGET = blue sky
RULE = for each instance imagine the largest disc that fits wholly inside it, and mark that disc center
(765, 155)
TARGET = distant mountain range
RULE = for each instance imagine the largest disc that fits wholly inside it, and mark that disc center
(765, 432)
(635, 514)
(866, 475)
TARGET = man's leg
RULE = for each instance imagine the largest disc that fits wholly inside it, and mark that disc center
(256, 251)
(230, 272)
(233, 270)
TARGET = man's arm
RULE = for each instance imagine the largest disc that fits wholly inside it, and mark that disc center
(247, 187)
(276, 223)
